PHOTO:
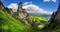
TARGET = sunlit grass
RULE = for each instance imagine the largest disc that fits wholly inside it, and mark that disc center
(10, 24)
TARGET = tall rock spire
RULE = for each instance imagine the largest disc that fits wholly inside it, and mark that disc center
(58, 8)
(19, 10)
(1, 5)
(20, 7)
(54, 21)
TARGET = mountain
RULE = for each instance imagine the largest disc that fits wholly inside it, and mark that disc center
(43, 15)
(54, 22)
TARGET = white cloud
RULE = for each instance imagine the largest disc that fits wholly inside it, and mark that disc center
(27, 3)
(31, 8)
(46, 0)
(50, 0)
(54, 0)
(13, 6)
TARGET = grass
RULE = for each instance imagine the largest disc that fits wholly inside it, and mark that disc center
(39, 20)
(10, 24)
(13, 24)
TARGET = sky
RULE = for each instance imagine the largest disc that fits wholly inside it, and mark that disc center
(34, 6)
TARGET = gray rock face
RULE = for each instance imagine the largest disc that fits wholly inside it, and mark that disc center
(1, 5)
(54, 22)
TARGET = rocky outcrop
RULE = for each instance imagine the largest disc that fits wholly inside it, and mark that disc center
(5, 9)
(54, 22)
(1, 5)
(10, 11)
(33, 23)
(21, 12)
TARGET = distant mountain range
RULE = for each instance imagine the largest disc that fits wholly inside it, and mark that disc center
(43, 15)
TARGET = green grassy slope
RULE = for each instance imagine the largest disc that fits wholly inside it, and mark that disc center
(39, 20)
(10, 24)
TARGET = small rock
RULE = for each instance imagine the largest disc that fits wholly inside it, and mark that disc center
(40, 26)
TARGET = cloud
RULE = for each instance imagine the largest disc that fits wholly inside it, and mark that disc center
(46, 0)
(50, 0)
(27, 3)
(54, 0)
(13, 6)
(31, 8)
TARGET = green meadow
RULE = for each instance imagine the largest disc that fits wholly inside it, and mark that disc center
(13, 24)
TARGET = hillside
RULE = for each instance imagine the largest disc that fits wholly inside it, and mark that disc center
(13, 24)
(10, 24)
(39, 19)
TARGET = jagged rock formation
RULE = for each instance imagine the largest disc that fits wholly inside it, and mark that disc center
(5, 9)
(10, 11)
(21, 12)
(1, 5)
(54, 22)
(33, 23)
